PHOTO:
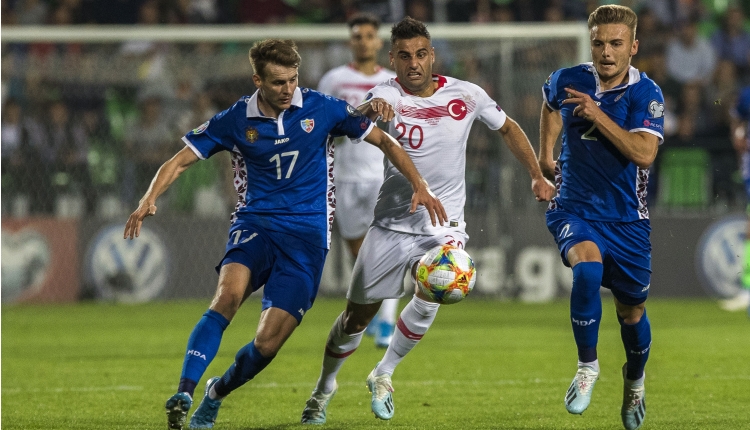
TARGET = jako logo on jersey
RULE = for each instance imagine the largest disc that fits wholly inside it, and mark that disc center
(307, 125)
(583, 323)
(201, 128)
(656, 109)
(197, 354)
(251, 134)
(280, 141)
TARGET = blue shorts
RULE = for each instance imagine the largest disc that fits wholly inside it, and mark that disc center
(625, 248)
(289, 268)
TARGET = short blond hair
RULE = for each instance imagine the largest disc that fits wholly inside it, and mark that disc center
(614, 14)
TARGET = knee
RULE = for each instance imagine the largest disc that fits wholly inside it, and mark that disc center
(267, 347)
(630, 316)
(226, 303)
(354, 323)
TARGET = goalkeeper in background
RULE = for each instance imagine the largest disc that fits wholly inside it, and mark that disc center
(741, 143)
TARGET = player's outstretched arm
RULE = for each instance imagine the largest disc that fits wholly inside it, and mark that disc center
(400, 159)
(550, 126)
(377, 109)
(167, 173)
(638, 147)
(521, 148)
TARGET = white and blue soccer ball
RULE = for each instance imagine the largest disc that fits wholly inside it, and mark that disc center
(446, 274)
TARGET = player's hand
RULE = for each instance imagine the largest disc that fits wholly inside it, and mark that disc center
(382, 108)
(587, 108)
(424, 196)
(543, 189)
(133, 226)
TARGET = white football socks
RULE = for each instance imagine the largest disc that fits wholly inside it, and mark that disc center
(593, 364)
(413, 323)
(338, 347)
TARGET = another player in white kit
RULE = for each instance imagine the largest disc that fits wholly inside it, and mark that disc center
(432, 116)
(358, 169)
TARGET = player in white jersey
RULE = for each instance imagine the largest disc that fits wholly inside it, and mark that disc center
(431, 116)
(358, 169)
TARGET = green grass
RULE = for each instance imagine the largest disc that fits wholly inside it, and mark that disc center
(483, 365)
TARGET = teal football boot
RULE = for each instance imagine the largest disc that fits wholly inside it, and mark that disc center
(205, 416)
(578, 397)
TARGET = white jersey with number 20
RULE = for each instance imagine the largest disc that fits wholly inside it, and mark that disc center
(433, 131)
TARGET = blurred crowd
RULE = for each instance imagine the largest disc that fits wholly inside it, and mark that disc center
(85, 126)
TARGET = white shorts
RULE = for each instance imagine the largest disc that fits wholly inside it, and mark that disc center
(355, 205)
(385, 258)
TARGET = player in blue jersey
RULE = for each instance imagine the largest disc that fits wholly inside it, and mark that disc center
(612, 118)
(741, 142)
(281, 139)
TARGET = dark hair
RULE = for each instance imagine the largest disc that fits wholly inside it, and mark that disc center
(614, 14)
(364, 18)
(275, 51)
(408, 28)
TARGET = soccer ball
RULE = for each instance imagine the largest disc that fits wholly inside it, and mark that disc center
(446, 274)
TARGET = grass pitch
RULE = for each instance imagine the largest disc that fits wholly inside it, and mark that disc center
(482, 365)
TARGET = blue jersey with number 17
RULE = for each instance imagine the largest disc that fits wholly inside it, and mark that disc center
(283, 167)
(594, 180)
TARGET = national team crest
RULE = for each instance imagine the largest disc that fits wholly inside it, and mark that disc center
(457, 109)
(251, 134)
(307, 125)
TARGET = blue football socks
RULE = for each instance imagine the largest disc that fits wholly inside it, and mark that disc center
(202, 347)
(586, 308)
(247, 363)
(637, 341)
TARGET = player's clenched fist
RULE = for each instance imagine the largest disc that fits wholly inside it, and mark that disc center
(382, 109)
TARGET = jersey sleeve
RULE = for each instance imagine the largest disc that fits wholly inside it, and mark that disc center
(210, 137)
(549, 91)
(741, 109)
(647, 109)
(347, 120)
(488, 111)
(385, 92)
